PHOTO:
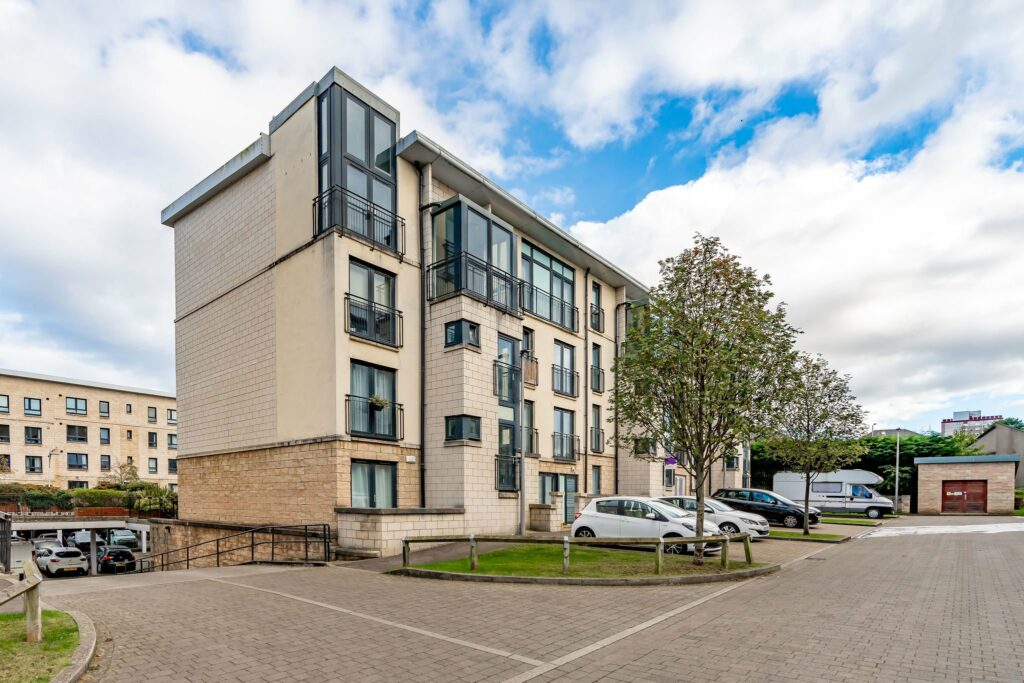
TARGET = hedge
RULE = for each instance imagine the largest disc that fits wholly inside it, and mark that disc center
(36, 497)
(100, 498)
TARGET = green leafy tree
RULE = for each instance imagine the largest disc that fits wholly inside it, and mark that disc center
(1014, 422)
(819, 424)
(707, 358)
(123, 477)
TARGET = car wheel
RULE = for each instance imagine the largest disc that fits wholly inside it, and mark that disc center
(729, 528)
(48, 571)
(874, 513)
(585, 532)
(675, 548)
(791, 521)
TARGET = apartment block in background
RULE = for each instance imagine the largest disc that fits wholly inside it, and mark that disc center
(373, 334)
(969, 421)
(72, 433)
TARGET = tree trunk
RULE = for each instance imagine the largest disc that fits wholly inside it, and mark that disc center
(699, 475)
(807, 503)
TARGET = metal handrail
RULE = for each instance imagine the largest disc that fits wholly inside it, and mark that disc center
(596, 318)
(506, 379)
(340, 209)
(596, 440)
(570, 446)
(383, 324)
(507, 465)
(397, 418)
(531, 441)
(463, 273)
(565, 381)
(560, 312)
(596, 379)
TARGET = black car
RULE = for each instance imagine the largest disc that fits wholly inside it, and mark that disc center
(113, 559)
(80, 540)
(769, 505)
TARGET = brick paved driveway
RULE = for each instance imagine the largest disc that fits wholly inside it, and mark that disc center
(926, 608)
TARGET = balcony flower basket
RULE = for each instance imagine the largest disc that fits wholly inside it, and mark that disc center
(379, 402)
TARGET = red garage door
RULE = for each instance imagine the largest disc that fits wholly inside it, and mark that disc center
(965, 496)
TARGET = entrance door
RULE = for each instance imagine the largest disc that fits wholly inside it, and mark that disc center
(964, 496)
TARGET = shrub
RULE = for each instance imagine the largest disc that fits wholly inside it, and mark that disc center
(98, 498)
(44, 498)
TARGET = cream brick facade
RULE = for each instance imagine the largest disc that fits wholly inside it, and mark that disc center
(999, 475)
(128, 431)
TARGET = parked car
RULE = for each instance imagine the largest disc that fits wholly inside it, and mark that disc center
(53, 561)
(114, 558)
(773, 507)
(21, 552)
(123, 537)
(728, 519)
(839, 491)
(40, 543)
(638, 517)
(80, 540)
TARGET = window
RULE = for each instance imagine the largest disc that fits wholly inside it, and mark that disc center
(596, 430)
(5, 403)
(459, 427)
(5, 433)
(595, 480)
(645, 446)
(152, 466)
(374, 484)
(131, 460)
(826, 487)
(371, 305)
(151, 414)
(565, 446)
(172, 416)
(128, 408)
(104, 463)
(104, 408)
(152, 439)
(634, 508)
(548, 287)
(860, 491)
(72, 485)
(530, 437)
(33, 406)
(563, 371)
(5, 463)
(529, 340)
(759, 497)
(732, 462)
(462, 332)
(76, 406)
(172, 487)
(104, 435)
(372, 410)
(78, 461)
(172, 442)
(33, 435)
(472, 254)
(33, 464)
(596, 312)
(78, 434)
(596, 371)
(129, 435)
(608, 507)
(172, 466)
(669, 478)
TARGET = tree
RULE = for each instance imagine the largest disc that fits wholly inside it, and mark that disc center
(706, 358)
(819, 424)
(121, 478)
(1014, 422)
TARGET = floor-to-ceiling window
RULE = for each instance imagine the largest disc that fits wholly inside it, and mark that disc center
(374, 484)
(549, 289)
(372, 408)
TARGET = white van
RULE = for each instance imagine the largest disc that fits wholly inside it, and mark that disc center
(841, 491)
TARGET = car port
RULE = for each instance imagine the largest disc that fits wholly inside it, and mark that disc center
(30, 527)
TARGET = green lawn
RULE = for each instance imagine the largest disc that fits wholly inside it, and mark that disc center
(24, 662)
(546, 560)
(811, 536)
(849, 520)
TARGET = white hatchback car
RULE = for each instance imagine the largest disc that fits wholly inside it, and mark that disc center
(638, 517)
(53, 561)
(729, 519)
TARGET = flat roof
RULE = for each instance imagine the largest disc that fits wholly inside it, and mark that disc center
(84, 383)
(950, 459)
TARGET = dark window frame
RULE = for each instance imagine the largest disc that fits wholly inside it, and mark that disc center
(460, 428)
(128, 408)
(34, 441)
(172, 442)
(372, 480)
(33, 412)
(81, 461)
(462, 332)
(81, 434)
(172, 465)
(104, 408)
(104, 440)
(75, 484)
(395, 406)
(531, 290)
(153, 466)
(31, 462)
(151, 414)
(5, 403)
(104, 463)
(153, 440)
(5, 433)
(172, 416)
(370, 306)
(76, 406)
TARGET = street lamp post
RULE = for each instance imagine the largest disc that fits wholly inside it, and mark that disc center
(898, 430)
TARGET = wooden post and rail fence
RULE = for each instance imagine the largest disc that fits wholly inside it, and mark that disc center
(29, 588)
(566, 542)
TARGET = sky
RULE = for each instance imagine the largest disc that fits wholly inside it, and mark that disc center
(868, 156)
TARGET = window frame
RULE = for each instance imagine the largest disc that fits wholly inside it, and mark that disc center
(128, 408)
(373, 391)
(5, 428)
(82, 462)
(104, 441)
(372, 482)
(463, 333)
(459, 428)
(104, 459)
(595, 480)
(172, 416)
(172, 465)
(77, 439)
(104, 411)
(151, 414)
(76, 406)
(33, 412)
(33, 459)
(668, 477)
(5, 403)
(153, 441)
(153, 466)
(36, 442)
(172, 442)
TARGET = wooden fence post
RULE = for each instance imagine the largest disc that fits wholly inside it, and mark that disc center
(472, 553)
(33, 608)
(746, 549)
(725, 553)
(565, 554)
(659, 557)
(405, 553)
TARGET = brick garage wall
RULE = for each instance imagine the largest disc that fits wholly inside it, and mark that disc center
(1000, 477)
(383, 530)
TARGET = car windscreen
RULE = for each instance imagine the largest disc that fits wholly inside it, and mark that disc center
(668, 510)
(784, 500)
(68, 553)
(719, 505)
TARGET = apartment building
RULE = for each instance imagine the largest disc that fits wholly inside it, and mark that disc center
(372, 333)
(969, 421)
(71, 433)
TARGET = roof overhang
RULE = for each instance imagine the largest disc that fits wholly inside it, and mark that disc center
(966, 459)
(85, 383)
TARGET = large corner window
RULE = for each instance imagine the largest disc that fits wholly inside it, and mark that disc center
(473, 254)
(374, 484)
(370, 305)
(549, 288)
(372, 410)
(461, 427)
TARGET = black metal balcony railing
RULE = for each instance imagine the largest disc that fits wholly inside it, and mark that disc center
(344, 210)
(566, 446)
(596, 379)
(375, 419)
(596, 318)
(530, 371)
(531, 441)
(506, 379)
(565, 381)
(466, 274)
(372, 321)
(543, 305)
(506, 472)
(596, 440)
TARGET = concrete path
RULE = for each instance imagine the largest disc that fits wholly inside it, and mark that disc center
(946, 607)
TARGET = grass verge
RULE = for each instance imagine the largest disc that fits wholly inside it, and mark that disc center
(809, 537)
(24, 662)
(546, 560)
(848, 520)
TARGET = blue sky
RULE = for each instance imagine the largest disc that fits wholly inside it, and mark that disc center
(867, 156)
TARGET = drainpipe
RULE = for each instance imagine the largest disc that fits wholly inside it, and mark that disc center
(523, 355)
(426, 176)
(586, 382)
(615, 354)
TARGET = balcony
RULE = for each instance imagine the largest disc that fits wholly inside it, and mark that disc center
(596, 440)
(466, 274)
(375, 419)
(596, 318)
(566, 446)
(530, 371)
(531, 441)
(506, 379)
(345, 211)
(596, 379)
(506, 472)
(565, 381)
(377, 323)
(543, 305)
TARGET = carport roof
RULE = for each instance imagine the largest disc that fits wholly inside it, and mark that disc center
(950, 459)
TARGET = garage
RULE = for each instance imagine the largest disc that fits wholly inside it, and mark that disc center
(966, 485)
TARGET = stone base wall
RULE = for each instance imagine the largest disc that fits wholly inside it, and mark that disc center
(384, 529)
(1000, 477)
(174, 535)
(547, 517)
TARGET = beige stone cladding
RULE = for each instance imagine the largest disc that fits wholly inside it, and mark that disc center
(128, 431)
(999, 475)
(383, 529)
